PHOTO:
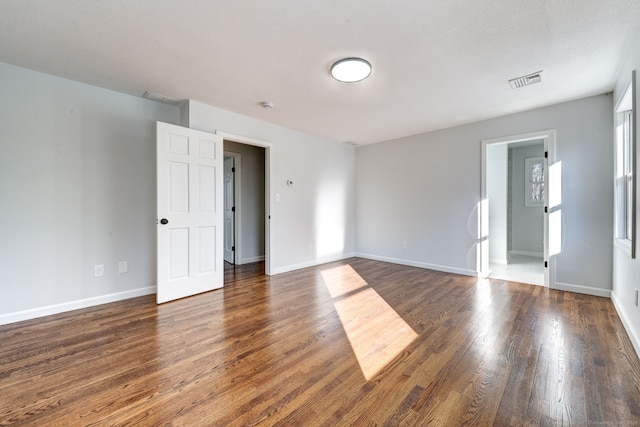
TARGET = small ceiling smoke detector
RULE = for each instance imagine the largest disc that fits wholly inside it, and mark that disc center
(267, 105)
(527, 80)
(160, 98)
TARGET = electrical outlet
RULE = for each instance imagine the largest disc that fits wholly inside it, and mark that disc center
(98, 270)
(404, 244)
(123, 267)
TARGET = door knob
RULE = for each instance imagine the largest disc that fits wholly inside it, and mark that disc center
(164, 221)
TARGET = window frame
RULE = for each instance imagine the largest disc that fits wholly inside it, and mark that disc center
(625, 171)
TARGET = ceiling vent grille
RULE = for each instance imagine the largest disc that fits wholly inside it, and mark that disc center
(527, 80)
(160, 98)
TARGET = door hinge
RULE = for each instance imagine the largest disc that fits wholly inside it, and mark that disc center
(546, 209)
(233, 248)
(233, 209)
(546, 154)
(233, 170)
(546, 264)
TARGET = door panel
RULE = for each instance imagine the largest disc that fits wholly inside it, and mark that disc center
(189, 190)
(178, 253)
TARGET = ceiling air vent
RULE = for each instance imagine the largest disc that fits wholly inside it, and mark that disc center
(527, 80)
(160, 98)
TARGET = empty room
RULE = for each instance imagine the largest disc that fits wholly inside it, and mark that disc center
(336, 213)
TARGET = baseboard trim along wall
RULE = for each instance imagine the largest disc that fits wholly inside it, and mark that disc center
(418, 264)
(293, 267)
(525, 253)
(33, 313)
(635, 340)
(605, 293)
(250, 260)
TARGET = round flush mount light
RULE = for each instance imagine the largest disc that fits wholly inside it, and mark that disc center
(351, 70)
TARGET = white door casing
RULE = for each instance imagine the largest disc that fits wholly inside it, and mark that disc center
(189, 212)
(549, 138)
(269, 201)
(229, 209)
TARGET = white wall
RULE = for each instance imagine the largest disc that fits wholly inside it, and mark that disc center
(626, 271)
(313, 220)
(77, 188)
(77, 184)
(497, 187)
(250, 248)
(425, 189)
(527, 222)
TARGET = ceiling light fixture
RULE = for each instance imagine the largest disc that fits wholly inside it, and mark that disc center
(351, 70)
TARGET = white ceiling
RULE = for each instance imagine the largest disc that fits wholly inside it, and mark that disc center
(436, 64)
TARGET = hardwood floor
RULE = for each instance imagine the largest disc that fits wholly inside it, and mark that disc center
(356, 342)
(234, 273)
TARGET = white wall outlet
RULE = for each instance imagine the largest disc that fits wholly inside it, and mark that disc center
(123, 267)
(98, 270)
(404, 244)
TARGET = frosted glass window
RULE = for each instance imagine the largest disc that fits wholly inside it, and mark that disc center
(534, 181)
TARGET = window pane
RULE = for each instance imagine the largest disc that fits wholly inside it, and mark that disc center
(624, 168)
(537, 192)
(537, 172)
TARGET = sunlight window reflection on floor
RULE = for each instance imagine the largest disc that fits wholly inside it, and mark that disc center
(376, 332)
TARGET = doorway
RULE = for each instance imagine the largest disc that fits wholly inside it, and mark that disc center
(246, 204)
(514, 242)
(516, 222)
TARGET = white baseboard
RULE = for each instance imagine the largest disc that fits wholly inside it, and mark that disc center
(500, 261)
(525, 253)
(418, 264)
(313, 263)
(33, 313)
(635, 339)
(250, 260)
(579, 289)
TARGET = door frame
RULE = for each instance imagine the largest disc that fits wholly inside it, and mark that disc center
(549, 139)
(237, 202)
(269, 205)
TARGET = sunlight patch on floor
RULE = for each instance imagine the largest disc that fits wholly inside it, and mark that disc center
(376, 332)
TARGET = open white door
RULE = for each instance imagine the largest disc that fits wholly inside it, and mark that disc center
(190, 218)
(229, 210)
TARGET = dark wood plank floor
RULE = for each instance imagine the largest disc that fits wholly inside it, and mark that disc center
(356, 342)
